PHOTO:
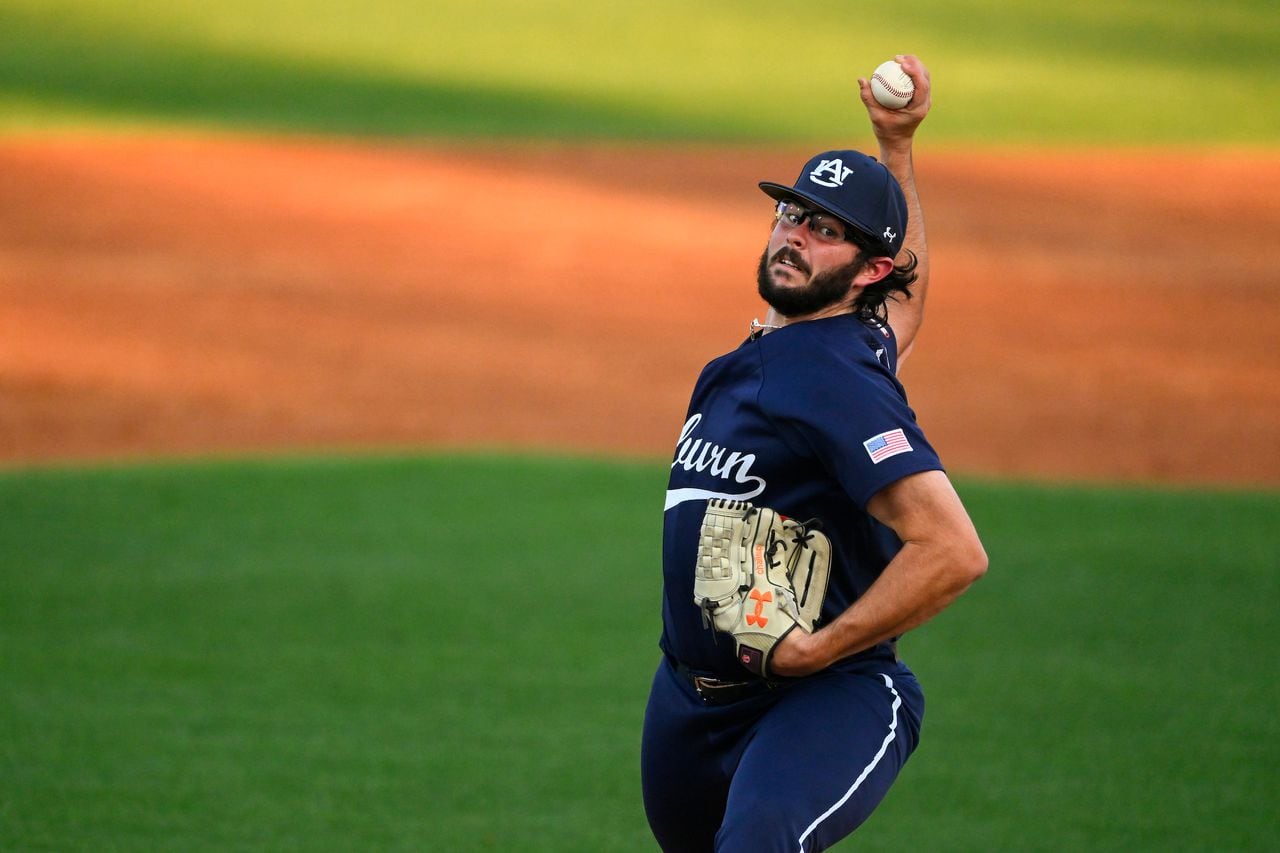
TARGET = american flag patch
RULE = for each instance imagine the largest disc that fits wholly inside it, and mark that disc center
(886, 444)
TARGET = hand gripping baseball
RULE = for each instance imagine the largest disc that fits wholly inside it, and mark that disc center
(758, 576)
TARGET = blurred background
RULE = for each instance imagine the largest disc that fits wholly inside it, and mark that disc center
(341, 348)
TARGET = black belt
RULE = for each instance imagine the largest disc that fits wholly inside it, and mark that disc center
(714, 691)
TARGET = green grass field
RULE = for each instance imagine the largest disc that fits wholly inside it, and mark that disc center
(355, 654)
(1095, 71)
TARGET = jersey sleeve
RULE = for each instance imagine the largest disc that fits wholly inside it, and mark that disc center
(843, 407)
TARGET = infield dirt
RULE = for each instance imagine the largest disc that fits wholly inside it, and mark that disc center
(1093, 316)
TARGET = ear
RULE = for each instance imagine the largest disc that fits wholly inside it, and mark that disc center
(876, 269)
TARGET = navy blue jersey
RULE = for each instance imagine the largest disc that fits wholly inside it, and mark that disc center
(811, 421)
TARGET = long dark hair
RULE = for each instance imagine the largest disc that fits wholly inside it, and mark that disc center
(870, 300)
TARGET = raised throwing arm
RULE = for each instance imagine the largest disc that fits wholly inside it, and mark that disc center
(895, 131)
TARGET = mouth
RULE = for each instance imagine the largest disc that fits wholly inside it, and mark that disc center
(788, 259)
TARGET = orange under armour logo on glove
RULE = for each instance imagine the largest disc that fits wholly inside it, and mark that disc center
(760, 598)
(748, 557)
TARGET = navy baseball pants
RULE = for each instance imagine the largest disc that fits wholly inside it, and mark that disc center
(795, 769)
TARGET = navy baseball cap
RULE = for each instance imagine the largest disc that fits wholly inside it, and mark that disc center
(856, 188)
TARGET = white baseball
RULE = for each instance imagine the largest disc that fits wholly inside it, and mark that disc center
(891, 86)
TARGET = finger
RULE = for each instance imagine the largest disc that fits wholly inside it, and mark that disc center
(864, 92)
(915, 70)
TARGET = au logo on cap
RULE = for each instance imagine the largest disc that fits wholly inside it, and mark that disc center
(836, 169)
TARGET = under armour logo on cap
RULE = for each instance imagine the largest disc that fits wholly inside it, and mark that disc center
(835, 168)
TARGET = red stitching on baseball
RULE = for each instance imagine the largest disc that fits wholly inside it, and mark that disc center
(892, 91)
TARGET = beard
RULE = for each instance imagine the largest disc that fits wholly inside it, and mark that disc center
(822, 291)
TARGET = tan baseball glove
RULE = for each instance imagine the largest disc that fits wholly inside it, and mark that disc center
(758, 576)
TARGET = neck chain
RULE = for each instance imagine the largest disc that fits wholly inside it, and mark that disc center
(758, 328)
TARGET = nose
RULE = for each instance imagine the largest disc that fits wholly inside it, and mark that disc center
(795, 235)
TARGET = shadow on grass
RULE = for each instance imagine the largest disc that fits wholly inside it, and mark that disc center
(119, 75)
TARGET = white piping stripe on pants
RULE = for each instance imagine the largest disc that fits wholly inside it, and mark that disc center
(866, 771)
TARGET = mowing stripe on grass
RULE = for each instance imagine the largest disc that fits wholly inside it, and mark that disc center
(454, 653)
